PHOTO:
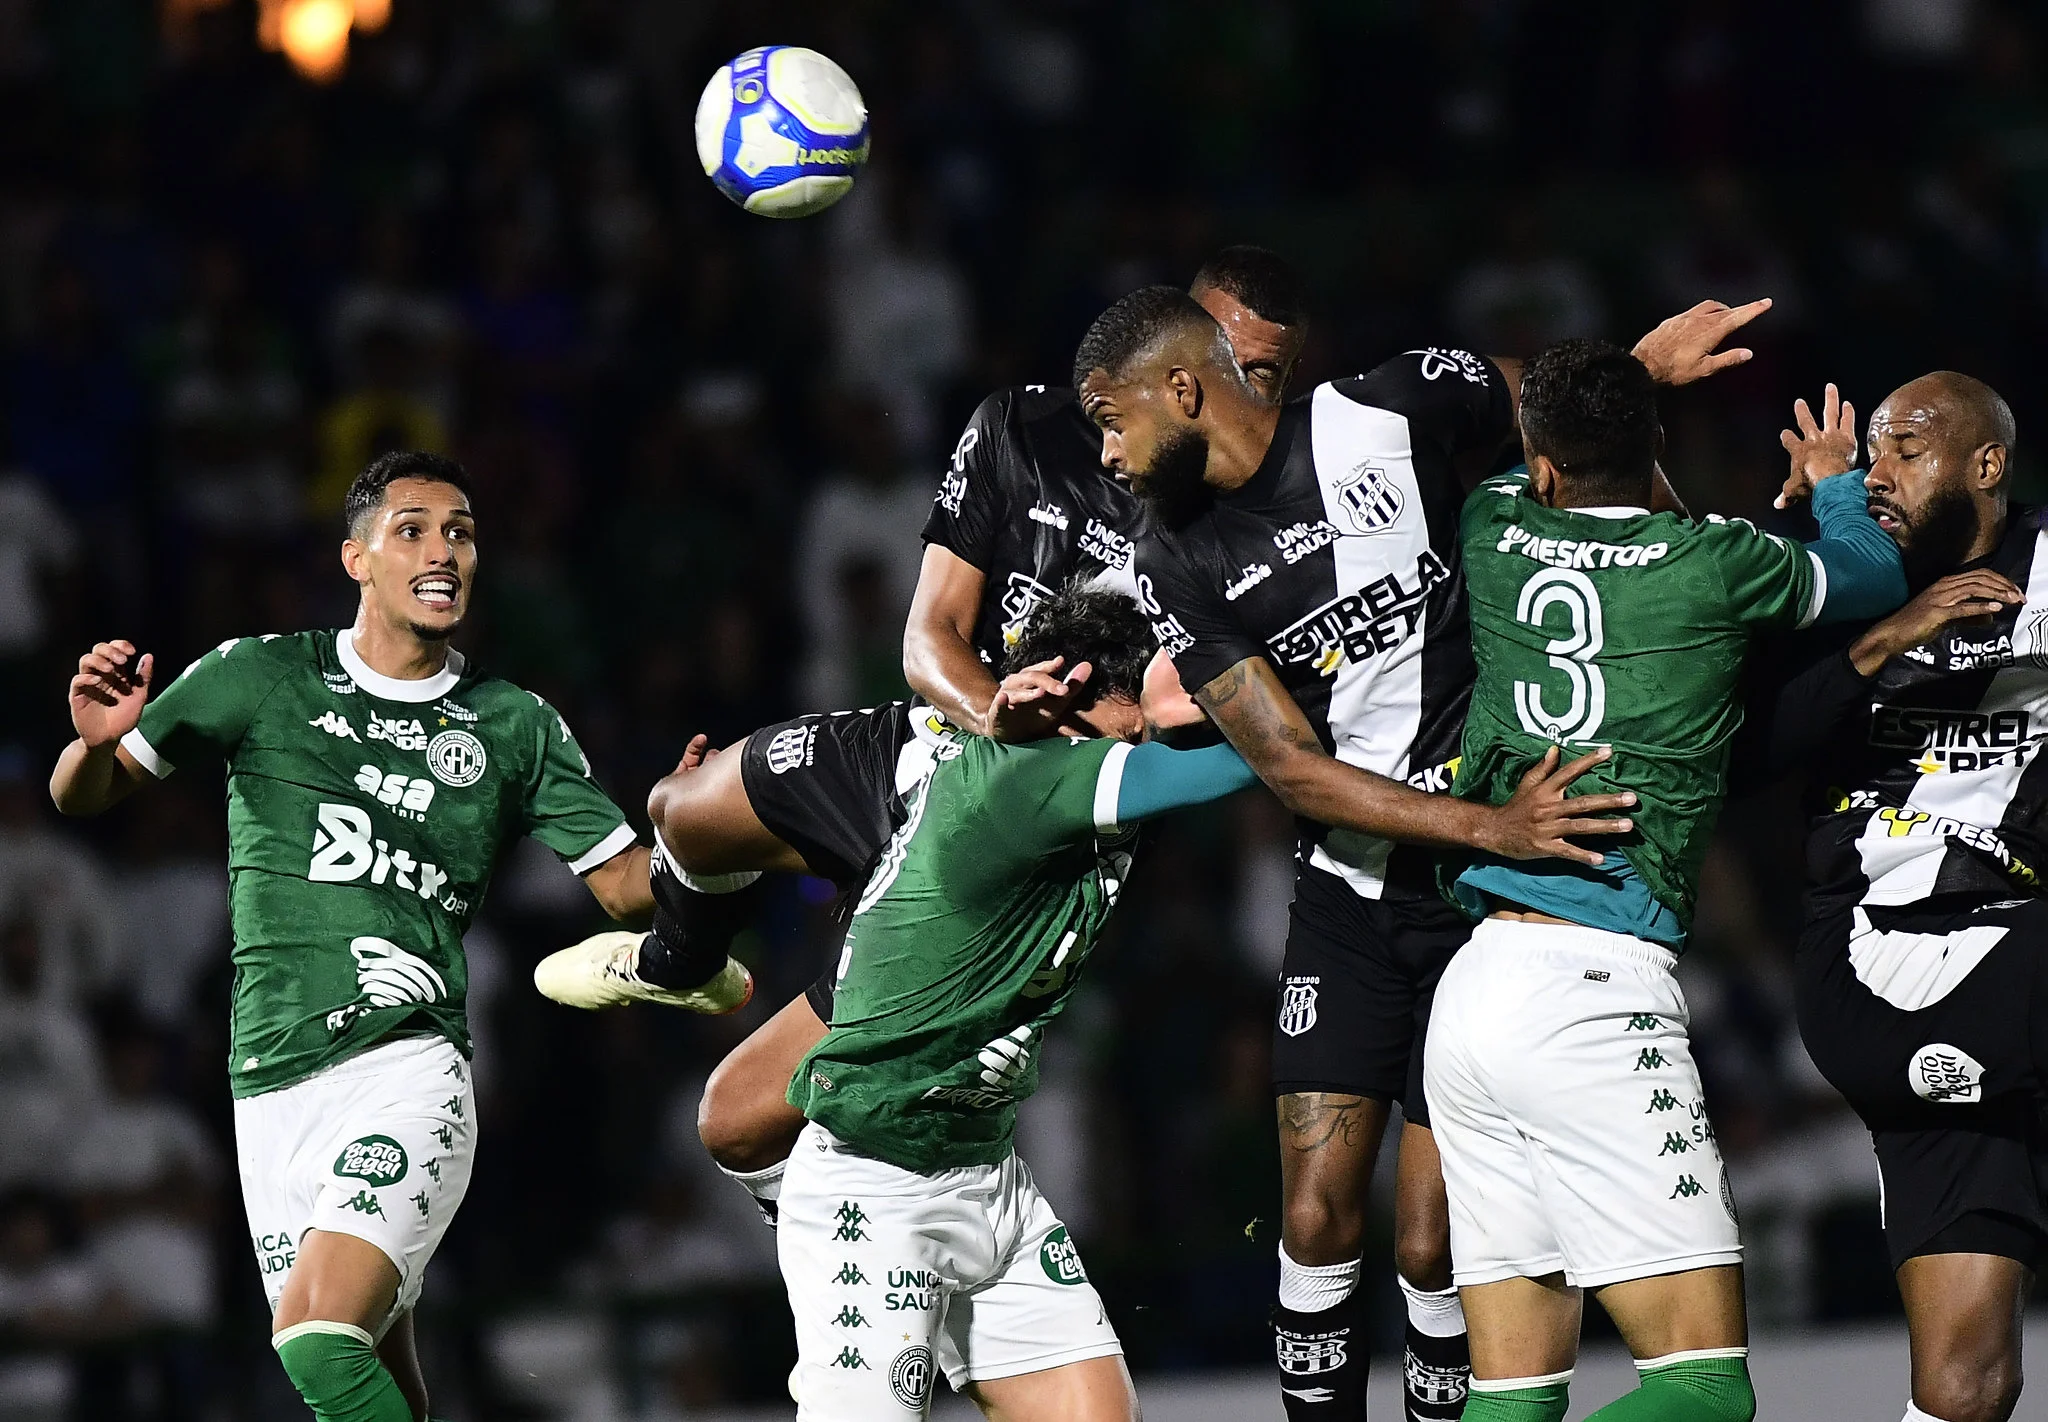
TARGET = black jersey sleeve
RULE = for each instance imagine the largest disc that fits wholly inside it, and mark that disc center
(974, 501)
(1453, 399)
(1187, 611)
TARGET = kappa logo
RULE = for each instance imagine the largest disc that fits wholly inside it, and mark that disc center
(1661, 1100)
(849, 1274)
(1675, 1144)
(849, 1316)
(849, 1357)
(1649, 1059)
(378, 1160)
(1060, 1259)
(791, 747)
(457, 759)
(335, 724)
(851, 1219)
(1370, 499)
(364, 1203)
(910, 1376)
(1298, 1005)
(1687, 1188)
(1941, 1073)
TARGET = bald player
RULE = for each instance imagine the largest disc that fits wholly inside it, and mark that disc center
(1922, 980)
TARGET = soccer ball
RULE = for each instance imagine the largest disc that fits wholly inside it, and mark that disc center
(782, 131)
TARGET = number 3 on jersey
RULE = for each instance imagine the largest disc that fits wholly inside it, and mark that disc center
(1571, 654)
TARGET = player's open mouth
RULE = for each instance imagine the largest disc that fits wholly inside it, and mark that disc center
(1887, 517)
(436, 592)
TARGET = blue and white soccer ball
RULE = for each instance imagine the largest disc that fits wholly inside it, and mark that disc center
(782, 131)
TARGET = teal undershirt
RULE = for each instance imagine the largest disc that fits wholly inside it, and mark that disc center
(1612, 896)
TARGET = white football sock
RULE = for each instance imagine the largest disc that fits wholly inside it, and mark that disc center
(1311, 1288)
(717, 883)
(1434, 1315)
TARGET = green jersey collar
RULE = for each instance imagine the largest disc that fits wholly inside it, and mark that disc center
(391, 688)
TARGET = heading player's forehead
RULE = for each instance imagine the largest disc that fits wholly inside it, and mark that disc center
(1252, 337)
(1945, 405)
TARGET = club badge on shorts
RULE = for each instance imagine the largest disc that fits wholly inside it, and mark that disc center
(1298, 1005)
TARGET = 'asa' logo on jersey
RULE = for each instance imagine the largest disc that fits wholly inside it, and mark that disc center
(1360, 625)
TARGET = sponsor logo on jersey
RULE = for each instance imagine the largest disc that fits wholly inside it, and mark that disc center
(1253, 575)
(1307, 1354)
(1370, 499)
(1900, 823)
(1439, 361)
(1051, 515)
(1940, 1072)
(391, 977)
(1298, 540)
(1578, 553)
(335, 724)
(459, 713)
(1298, 1005)
(405, 734)
(345, 850)
(953, 484)
(377, 1159)
(1955, 740)
(340, 683)
(1021, 597)
(1105, 545)
(1435, 779)
(791, 747)
(910, 1376)
(1966, 654)
(1005, 1060)
(1360, 625)
(1923, 654)
(457, 759)
(406, 795)
(1060, 1259)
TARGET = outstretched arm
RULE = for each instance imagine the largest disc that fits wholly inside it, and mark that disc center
(939, 660)
(621, 887)
(1260, 718)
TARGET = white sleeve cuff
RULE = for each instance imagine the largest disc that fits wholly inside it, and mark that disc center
(1818, 598)
(617, 841)
(145, 754)
(1109, 787)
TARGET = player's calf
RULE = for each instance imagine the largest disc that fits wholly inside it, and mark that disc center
(1963, 1316)
(341, 1289)
(1436, 1361)
(1328, 1142)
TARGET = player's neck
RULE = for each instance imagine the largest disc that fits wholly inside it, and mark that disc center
(1239, 447)
(397, 652)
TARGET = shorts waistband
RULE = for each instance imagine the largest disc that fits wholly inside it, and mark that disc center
(1575, 939)
(385, 1055)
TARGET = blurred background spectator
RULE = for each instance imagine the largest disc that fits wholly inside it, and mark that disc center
(704, 444)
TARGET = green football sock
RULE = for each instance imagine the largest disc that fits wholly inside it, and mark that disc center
(337, 1371)
(1519, 1399)
(1711, 1385)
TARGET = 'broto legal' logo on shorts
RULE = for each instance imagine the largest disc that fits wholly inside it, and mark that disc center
(379, 1160)
(1940, 1072)
(1060, 1260)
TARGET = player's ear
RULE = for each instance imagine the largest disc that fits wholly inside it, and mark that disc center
(1990, 463)
(1186, 389)
(1543, 479)
(355, 560)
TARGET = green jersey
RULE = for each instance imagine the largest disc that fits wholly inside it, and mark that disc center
(364, 816)
(1623, 628)
(966, 943)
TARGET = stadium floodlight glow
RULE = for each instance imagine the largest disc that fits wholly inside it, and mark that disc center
(314, 34)
(782, 131)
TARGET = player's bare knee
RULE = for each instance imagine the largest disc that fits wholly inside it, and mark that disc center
(731, 1126)
(1967, 1386)
(1322, 1226)
(1422, 1253)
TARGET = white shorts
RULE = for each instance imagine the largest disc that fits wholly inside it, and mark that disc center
(378, 1146)
(889, 1271)
(1568, 1111)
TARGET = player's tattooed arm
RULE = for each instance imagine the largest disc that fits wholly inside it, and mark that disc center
(939, 660)
(1262, 720)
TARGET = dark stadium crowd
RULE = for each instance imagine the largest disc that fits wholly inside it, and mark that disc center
(704, 444)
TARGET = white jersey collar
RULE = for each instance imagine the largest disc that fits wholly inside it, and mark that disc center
(392, 688)
(1613, 511)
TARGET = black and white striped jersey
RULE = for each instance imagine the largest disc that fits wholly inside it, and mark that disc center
(1027, 501)
(1338, 563)
(1934, 782)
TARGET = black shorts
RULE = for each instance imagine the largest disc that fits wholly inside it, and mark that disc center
(1942, 1067)
(1355, 990)
(825, 785)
